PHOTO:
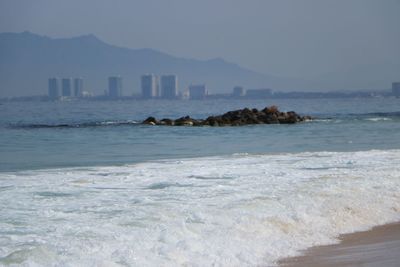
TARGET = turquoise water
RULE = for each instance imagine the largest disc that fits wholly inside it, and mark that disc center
(83, 184)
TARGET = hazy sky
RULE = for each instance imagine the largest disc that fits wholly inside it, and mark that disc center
(300, 38)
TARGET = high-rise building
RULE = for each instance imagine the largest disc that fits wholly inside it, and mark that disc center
(114, 86)
(169, 86)
(149, 84)
(198, 91)
(396, 89)
(238, 91)
(54, 88)
(66, 87)
(78, 87)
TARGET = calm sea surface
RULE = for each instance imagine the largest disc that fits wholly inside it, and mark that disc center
(83, 184)
(106, 133)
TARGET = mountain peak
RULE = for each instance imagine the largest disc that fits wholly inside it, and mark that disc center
(90, 39)
(36, 58)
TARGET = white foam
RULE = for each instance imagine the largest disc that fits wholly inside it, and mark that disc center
(241, 210)
(377, 119)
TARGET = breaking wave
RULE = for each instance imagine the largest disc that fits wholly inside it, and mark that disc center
(238, 210)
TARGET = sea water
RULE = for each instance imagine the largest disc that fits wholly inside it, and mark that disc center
(83, 184)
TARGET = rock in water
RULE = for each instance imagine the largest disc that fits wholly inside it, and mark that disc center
(269, 115)
(150, 121)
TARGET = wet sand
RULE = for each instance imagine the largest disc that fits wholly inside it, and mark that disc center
(377, 247)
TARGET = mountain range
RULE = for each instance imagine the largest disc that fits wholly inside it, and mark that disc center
(27, 60)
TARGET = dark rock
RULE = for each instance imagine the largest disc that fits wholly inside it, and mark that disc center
(166, 122)
(246, 111)
(211, 121)
(150, 121)
(187, 121)
(273, 119)
(246, 116)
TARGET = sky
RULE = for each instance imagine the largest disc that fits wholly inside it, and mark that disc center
(289, 38)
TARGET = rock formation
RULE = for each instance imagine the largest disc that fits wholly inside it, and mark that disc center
(268, 115)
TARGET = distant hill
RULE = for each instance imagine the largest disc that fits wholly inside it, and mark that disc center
(27, 60)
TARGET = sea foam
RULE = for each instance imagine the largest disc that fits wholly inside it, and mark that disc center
(239, 210)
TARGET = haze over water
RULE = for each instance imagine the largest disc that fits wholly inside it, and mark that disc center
(84, 183)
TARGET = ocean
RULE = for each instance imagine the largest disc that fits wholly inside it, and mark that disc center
(82, 183)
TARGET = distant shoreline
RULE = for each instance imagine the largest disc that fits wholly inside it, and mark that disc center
(44, 98)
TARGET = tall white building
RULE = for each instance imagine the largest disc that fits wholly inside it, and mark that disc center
(78, 87)
(396, 89)
(54, 88)
(114, 86)
(238, 91)
(149, 84)
(66, 87)
(198, 91)
(169, 86)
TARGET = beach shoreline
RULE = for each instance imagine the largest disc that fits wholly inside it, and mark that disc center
(379, 246)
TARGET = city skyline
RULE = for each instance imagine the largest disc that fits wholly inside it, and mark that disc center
(308, 44)
(90, 57)
(151, 89)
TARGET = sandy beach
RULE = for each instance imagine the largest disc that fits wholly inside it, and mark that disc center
(377, 247)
